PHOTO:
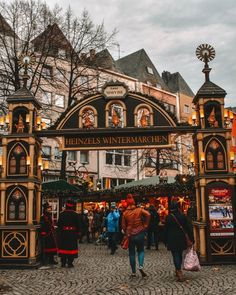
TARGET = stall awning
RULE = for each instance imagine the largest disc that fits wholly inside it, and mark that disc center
(155, 180)
(59, 187)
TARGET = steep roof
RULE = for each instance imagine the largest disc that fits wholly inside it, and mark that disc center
(138, 65)
(5, 28)
(23, 95)
(105, 60)
(54, 36)
(209, 90)
(176, 83)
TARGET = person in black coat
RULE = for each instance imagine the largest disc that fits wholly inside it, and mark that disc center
(48, 236)
(84, 231)
(152, 231)
(68, 230)
(176, 225)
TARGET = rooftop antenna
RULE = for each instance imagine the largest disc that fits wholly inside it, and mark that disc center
(118, 48)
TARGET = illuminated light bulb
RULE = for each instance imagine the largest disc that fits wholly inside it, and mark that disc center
(192, 160)
(44, 125)
(190, 121)
(27, 119)
(28, 160)
(201, 113)
(7, 120)
(194, 115)
(38, 120)
(202, 157)
(231, 156)
(231, 115)
(40, 161)
(226, 113)
(46, 165)
(1, 121)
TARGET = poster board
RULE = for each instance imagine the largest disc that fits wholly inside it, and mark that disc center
(220, 212)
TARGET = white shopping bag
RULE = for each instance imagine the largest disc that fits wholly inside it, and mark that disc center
(191, 261)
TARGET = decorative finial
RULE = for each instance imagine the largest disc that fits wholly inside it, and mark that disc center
(25, 60)
(205, 53)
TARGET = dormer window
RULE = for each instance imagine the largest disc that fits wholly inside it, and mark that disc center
(150, 71)
(47, 98)
(186, 109)
(61, 53)
(47, 72)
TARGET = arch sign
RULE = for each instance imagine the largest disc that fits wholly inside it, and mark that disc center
(116, 119)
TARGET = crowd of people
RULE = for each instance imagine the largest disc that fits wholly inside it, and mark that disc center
(109, 226)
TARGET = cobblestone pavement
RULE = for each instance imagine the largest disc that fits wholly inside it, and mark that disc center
(98, 272)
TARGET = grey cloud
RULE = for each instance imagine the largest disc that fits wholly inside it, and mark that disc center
(170, 31)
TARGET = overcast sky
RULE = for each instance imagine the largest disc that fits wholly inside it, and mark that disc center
(170, 32)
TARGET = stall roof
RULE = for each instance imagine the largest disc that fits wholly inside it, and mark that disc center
(59, 186)
(145, 182)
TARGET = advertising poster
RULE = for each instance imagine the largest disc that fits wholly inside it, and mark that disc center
(220, 212)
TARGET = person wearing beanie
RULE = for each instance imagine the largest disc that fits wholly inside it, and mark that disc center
(48, 236)
(135, 222)
(176, 226)
(68, 230)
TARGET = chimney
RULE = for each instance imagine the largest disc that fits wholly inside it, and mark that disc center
(83, 56)
(166, 76)
(92, 53)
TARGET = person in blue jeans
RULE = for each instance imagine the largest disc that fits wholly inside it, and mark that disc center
(176, 225)
(112, 222)
(134, 224)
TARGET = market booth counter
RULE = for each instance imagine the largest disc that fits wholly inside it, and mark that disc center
(56, 193)
(155, 191)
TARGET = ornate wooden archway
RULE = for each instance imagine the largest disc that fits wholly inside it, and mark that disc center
(116, 118)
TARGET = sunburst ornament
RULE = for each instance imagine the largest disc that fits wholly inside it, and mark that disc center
(205, 52)
(26, 59)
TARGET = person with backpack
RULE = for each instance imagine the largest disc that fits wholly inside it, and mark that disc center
(152, 231)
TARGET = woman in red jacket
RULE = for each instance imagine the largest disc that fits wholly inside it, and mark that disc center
(134, 223)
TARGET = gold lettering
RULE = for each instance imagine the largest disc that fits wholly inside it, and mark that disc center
(113, 140)
(116, 140)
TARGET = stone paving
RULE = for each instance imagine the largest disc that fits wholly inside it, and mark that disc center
(98, 272)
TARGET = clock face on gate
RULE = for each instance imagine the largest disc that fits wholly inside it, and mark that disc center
(205, 52)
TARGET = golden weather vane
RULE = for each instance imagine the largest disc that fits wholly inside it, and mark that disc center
(205, 53)
(25, 60)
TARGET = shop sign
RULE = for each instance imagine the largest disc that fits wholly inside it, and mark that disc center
(115, 91)
(220, 212)
(101, 142)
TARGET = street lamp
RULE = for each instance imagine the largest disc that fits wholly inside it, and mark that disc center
(80, 173)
